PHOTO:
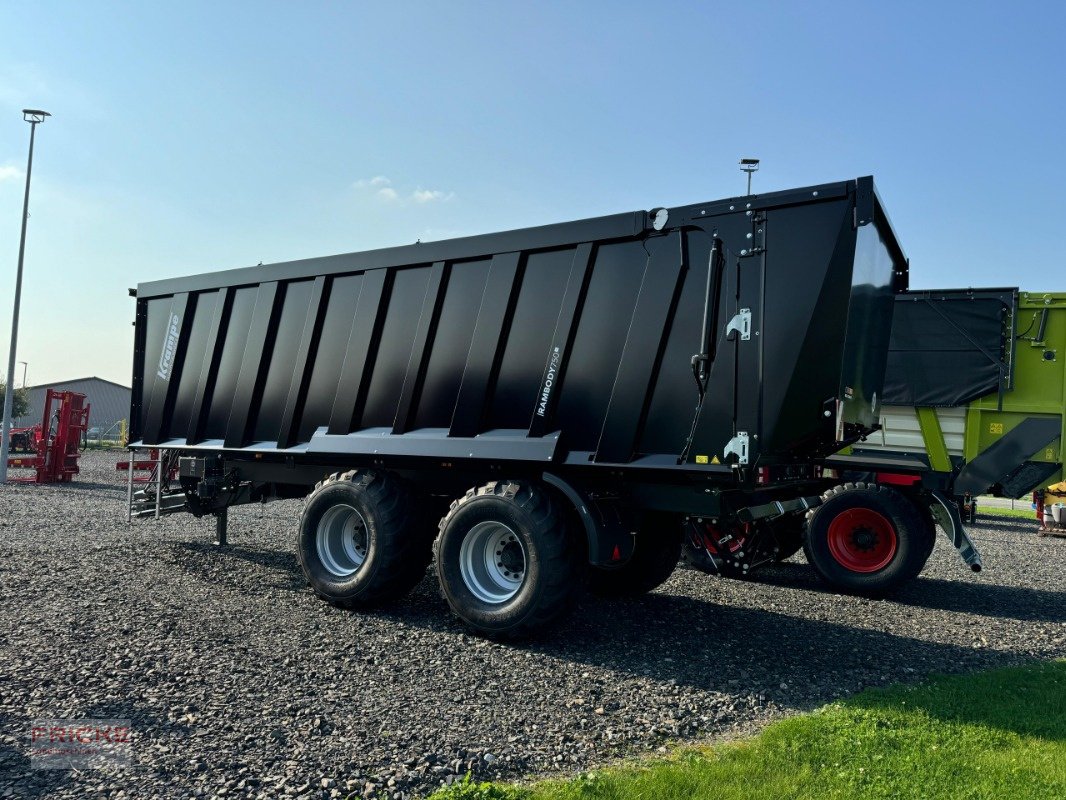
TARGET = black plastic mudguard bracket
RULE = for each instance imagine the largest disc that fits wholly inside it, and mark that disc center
(947, 514)
(610, 543)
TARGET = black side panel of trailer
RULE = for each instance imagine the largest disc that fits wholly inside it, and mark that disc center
(949, 347)
(570, 343)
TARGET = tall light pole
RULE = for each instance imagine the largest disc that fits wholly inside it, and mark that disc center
(35, 117)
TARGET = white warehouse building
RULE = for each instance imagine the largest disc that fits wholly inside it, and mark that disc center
(109, 402)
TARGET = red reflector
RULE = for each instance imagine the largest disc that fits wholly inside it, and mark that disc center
(617, 554)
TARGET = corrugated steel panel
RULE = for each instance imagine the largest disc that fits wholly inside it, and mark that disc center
(572, 342)
(953, 426)
(900, 432)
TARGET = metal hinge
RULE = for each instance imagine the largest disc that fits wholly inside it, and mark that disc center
(738, 446)
(741, 323)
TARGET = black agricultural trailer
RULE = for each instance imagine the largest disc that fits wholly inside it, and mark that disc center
(546, 408)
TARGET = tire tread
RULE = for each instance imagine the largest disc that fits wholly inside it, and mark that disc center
(404, 555)
(909, 523)
(559, 587)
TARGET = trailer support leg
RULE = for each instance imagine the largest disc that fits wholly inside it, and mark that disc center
(221, 519)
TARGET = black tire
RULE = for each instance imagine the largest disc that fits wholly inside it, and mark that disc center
(549, 581)
(926, 513)
(655, 555)
(395, 553)
(866, 539)
(930, 527)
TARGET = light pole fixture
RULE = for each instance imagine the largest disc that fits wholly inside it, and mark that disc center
(749, 165)
(35, 117)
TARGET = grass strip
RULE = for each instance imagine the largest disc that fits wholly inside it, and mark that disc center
(991, 735)
(995, 511)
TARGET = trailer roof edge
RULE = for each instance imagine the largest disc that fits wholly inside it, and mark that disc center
(614, 226)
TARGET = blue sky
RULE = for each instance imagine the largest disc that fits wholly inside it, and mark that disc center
(194, 136)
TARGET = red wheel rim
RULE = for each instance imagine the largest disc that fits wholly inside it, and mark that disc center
(861, 540)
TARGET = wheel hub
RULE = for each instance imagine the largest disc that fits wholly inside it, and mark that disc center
(492, 562)
(510, 559)
(341, 541)
(862, 540)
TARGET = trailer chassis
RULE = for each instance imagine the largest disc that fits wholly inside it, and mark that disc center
(729, 527)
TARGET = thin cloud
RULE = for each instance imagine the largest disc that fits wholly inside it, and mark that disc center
(377, 182)
(430, 195)
(10, 173)
(382, 189)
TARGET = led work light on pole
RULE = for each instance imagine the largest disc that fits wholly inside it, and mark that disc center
(749, 165)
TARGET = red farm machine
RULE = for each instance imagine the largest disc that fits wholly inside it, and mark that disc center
(54, 444)
(24, 440)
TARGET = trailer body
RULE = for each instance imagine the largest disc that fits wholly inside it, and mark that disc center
(568, 344)
(654, 380)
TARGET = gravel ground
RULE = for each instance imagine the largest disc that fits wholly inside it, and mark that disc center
(239, 683)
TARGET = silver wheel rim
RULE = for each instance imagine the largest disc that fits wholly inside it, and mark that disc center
(492, 562)
(341, 541)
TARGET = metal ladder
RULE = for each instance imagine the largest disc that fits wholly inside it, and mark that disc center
(156, 502)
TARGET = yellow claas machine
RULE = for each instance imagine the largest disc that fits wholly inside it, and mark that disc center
(975, 394)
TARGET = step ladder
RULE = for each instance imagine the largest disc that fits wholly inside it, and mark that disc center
(158, 495)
